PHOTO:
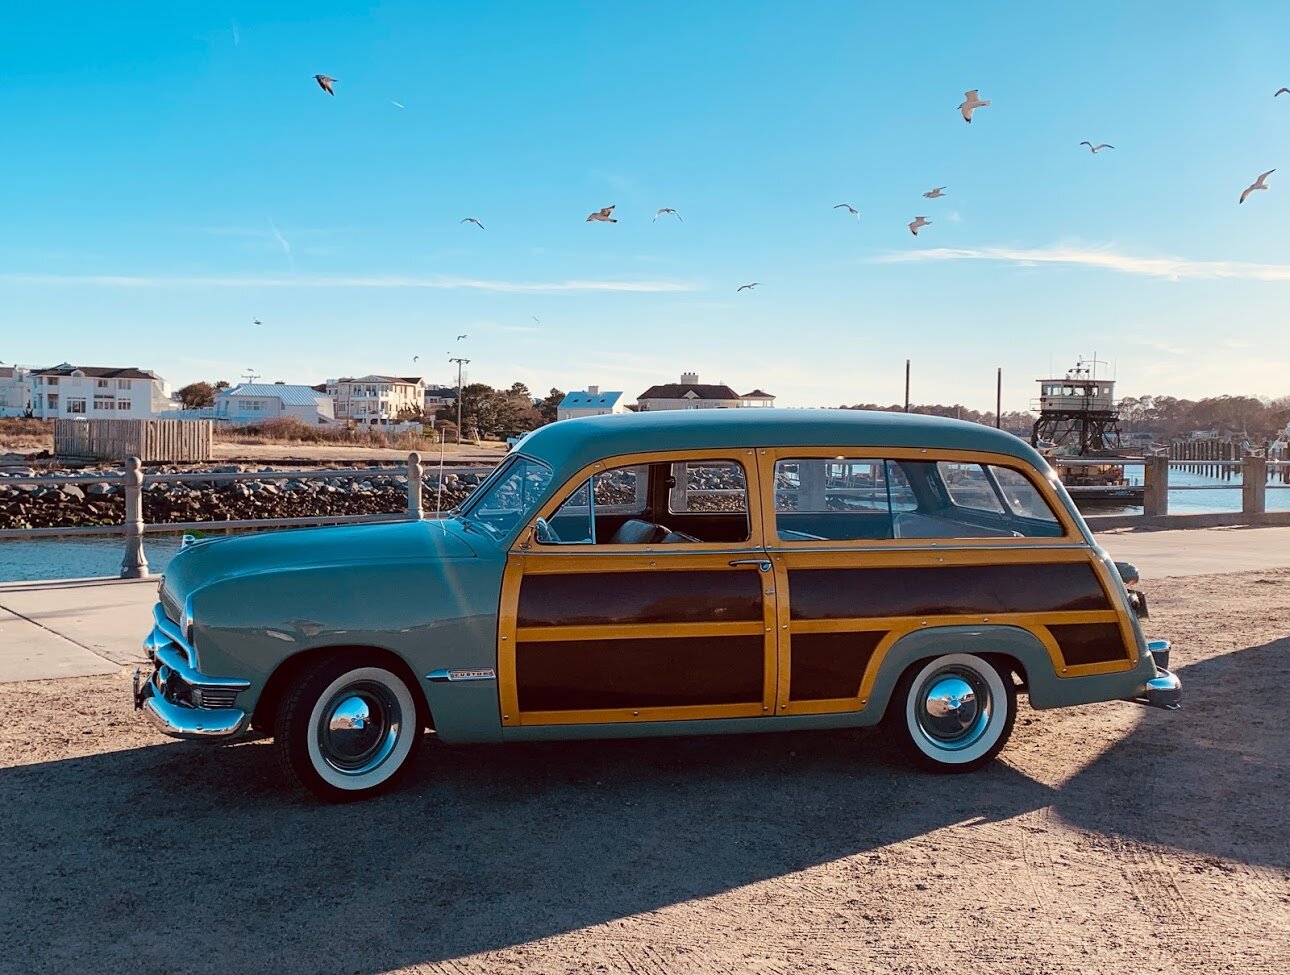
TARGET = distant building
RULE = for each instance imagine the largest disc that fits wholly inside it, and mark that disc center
(98, 392)
(376, 400)
(590, 402)
(690, 394)
(256, 402)
(437, 396)
(15, 391)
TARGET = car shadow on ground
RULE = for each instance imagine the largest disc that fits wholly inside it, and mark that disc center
(482, 847)
(1228, 745)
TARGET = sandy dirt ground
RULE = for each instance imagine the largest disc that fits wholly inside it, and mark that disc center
(1106, 839)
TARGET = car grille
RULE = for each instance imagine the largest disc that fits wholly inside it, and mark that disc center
(214, 697)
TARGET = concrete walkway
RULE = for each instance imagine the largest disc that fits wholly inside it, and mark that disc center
(77, 627)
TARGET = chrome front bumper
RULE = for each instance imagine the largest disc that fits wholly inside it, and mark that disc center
(179, 700)
(1165, 689)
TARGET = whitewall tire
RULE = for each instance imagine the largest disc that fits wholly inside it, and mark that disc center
(954, 713)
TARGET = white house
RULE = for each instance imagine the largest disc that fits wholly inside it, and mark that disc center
(437, 396)
(376, 399)
(98, 393)
(15, 391)
(256, 402)
(690, 394)
(590, 402)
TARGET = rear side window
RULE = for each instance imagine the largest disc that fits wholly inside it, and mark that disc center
(707, 485)
(1021, 496)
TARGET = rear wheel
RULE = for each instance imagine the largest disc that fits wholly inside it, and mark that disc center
(954, 713)
(346, 730)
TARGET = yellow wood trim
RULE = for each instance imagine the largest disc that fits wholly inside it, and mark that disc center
(1025, 620)
(861, 700)
(744, 456)
(507, 687)
(628, 631)
(1080, 670)
(1111, 586)
(766, 462)
(633, 559)
(902, 557)
(781, 630)
(626, 715)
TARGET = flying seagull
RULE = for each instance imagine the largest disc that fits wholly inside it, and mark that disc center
(1282, 91)
(972, 103)
(536, 319)
(325, 83)
(460, 337)
(746, 287)
(603, 215)
(933, 194)
(1098, 148)
(1258, 184)
(256, 321)
(472, 220)
(415, 358)
(918, 222)
(849, 208)
(658, 213)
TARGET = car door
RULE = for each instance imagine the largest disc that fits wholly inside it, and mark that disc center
(659, 608)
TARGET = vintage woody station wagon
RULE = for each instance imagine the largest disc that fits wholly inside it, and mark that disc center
(688, 572)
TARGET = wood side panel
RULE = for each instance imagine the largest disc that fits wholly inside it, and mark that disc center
(690, 596)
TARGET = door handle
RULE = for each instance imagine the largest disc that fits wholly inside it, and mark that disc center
(763, 565)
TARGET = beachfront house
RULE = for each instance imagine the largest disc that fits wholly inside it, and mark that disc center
(690, 394)
(257, 402)
(15, 391)
(377, 400)
(98, 393)
(591, 401)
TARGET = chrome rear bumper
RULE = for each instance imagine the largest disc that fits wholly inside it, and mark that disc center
(177, 698)
(1165, 689)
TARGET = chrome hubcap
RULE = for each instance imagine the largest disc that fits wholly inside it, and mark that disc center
(359, 727)
(953, 708)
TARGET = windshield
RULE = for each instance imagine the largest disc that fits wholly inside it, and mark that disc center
(509, 497)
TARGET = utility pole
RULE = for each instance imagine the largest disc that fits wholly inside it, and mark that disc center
(460, 362)
(998, 399)
(906, 385)
(250, 375)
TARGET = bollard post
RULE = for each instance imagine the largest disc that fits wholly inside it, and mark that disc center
(1254, 484)
(415, 471)
(134, 565)
(1155, 487)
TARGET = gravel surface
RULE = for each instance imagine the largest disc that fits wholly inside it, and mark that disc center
(1107, 839)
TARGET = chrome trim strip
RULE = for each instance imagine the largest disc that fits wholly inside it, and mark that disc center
(180, 722)
(171, 630)
(453, 675)
(172, 658)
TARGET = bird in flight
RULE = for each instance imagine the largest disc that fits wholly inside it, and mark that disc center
(918, 222)
(472, 220)
(972, 103)
(849, 208)
(415, 358)
(460, 337)
(1098, 148)
(662, 210)
(1282, 91)
(933, 194)
(325, 83)
(536, 319)
(603, 215)
(746, 287)
(256, 321)
(1258, 184)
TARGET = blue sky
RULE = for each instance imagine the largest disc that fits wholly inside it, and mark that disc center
(171, 171)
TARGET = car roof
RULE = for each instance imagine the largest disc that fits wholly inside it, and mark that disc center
(570, 445)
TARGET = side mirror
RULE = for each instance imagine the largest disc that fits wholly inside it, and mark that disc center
(1128, 573)
(542, 531)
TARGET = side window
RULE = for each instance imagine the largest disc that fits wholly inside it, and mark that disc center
(707, 485)
(834, 499)
(968, 487)
(591, 513)
(1022, 497)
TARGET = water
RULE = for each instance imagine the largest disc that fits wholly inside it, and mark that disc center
(74, 558)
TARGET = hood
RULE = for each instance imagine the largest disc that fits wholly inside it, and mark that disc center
(208, 562)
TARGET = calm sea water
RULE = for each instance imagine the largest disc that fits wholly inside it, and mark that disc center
(73, 558)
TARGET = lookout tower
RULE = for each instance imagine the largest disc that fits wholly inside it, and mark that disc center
(1077, 414)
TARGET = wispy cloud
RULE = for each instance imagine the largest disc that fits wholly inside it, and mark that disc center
(340, 281)
(237, 34)
(282, 241)
(1105, 258)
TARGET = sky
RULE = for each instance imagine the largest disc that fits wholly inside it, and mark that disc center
(170, 172)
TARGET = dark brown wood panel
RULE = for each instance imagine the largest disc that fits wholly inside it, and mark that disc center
(821, 594)
(1089, 643)
(656, 596)
(579, 675)
(829, 665)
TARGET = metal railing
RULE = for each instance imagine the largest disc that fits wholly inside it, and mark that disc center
(134, 564)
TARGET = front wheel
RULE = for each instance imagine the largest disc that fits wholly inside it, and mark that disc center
(954, 713)
(345, 730)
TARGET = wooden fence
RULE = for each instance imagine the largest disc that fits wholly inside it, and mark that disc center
(149, 440)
